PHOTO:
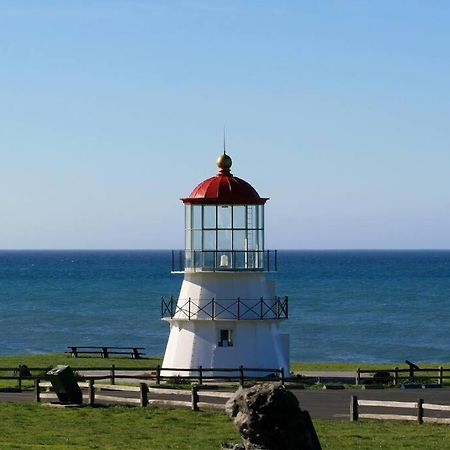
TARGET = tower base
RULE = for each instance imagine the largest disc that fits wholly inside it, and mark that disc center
(226, 344)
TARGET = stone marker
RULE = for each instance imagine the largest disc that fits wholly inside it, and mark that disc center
(268, 417)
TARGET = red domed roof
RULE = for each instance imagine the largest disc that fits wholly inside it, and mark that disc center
(224, 188)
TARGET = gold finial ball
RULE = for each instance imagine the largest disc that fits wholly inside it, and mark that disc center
(224, 162)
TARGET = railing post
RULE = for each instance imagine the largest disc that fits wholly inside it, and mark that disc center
(105, 352)
(144, 395)
(19, 379)
(441, 375)
(189, 308)
(194, 398)
(420, 411)
(396, 375)
(200, 375)
(213, 309)
(171, 307)
(113, 374)
(158, 375)
(241, 376)
(358, 376)
(282, 375)
(239, 308)
(287, 305)
(261, 308)
(353, 408)
(37, 389)
(91, 392)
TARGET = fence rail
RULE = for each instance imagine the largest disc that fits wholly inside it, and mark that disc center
(419, 408)
(224, 260)
(158, 374)
(93, 393)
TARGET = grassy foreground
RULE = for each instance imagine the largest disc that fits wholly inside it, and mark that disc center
(36, 426)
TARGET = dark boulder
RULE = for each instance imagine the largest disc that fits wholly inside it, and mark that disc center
(268, 417)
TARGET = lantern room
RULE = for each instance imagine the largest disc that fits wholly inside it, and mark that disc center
(224, 226)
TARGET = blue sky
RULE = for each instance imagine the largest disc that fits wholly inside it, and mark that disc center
(339, 111)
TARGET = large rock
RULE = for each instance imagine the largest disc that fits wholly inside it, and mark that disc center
(268, 417)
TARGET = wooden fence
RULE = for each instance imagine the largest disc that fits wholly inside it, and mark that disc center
(397, 374)
(156, 374)
(419, 408)
(142, 395)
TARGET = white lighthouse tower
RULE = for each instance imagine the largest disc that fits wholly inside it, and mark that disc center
(227, 313)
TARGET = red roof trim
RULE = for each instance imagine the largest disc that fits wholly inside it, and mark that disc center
(224, 188)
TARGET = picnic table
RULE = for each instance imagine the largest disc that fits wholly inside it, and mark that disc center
(105, 352)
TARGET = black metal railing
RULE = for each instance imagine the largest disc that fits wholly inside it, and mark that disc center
(224, 260)
(240, 309)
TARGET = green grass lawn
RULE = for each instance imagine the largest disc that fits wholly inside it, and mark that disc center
(352, 367)
(52, 359)
(37, 426)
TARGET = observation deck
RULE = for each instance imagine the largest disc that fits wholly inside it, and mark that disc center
(224, 261)
(223, 309)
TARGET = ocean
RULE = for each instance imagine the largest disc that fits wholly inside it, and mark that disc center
(371, 306)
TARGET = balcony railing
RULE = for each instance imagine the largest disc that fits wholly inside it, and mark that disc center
(224, 260)
(235, 309)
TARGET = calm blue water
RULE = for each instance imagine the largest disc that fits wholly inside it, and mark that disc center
(344, 305)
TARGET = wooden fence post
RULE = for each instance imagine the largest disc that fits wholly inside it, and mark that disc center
(420, 411)
(19, 379)
(282, 375)
(441, 375)
(144, 395)
(37, 389)
(91, 392)
(354, 408)
(158, 375)
(396, 375)
(241, 376)
(113, 374)
(194, 398)
(358, 376)
(200, 375)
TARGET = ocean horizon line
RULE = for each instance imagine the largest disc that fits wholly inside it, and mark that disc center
(431, 249)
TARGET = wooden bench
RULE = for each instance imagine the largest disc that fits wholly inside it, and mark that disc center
(104, 352)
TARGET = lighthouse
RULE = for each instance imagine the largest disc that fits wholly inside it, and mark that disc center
(227, 314)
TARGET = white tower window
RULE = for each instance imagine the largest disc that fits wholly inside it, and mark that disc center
(225, 338)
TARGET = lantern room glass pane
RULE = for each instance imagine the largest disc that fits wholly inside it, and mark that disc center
(252, 237)
(224, 240)
(209, 240)
(187, 218)
(209, 216)
(197, 240)
(224, 216)
(188, 244)
(239, 240)
(261, 216)
(238, 216)
(197, 216)
(252, 218)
